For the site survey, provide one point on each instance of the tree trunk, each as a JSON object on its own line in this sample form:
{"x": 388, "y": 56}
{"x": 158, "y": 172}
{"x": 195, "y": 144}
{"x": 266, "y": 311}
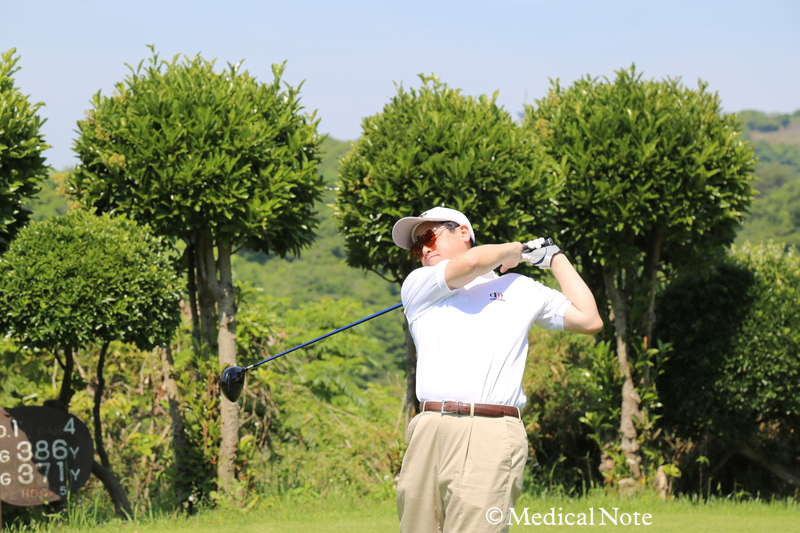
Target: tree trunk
{"x": 630, "y": 398}
{"x": 191, "y": 269}
{"x": 114, "y": 488}
{"x": 180, "y": 444}
{"x": 216, "y": 292}
{"x": 650, "y": 275}
{"x": 65, "y": 394}
{"x": 226, "y": 468}
{"x": 98, "y": 399}
{"x": 103, "y": 470}
{"x": 412, "y": 403}
{"x": 207, "y": 293}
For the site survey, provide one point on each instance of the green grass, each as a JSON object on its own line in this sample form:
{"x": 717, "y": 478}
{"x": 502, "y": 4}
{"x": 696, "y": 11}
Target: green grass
{"x": 286, "y": 516}
{"x": 353, "y": 516}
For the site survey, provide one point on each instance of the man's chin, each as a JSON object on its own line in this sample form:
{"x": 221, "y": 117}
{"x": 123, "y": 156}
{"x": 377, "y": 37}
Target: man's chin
{"x": 432, "y": 260}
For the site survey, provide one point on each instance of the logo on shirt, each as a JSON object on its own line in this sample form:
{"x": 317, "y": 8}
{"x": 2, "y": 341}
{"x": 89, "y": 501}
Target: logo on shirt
{"x": 496, "y": 296}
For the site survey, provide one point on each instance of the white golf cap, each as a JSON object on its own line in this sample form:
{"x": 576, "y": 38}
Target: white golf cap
{"x": 404, "y": 228}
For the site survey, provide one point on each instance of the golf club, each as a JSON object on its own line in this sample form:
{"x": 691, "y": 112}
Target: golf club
{"x": 232, "y": 381}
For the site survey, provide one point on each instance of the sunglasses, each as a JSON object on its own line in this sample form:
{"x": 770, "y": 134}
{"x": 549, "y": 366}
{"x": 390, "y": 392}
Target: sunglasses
{"x": 426, "y": 239}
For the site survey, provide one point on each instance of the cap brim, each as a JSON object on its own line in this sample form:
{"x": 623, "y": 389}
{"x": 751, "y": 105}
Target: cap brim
{"x": 401, "y": 233}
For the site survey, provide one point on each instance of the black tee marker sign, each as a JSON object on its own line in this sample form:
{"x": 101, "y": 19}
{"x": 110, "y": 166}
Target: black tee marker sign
{"x": 45, "y": 454}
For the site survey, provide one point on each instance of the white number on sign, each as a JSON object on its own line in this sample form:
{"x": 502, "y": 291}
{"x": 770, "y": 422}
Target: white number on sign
{"x": 24, "y": 451}
{"x": 59, "y": 449}
{"x": 25, "y": 474}
{"x": 46, "y": 467}
{"x": 42, "y": 450}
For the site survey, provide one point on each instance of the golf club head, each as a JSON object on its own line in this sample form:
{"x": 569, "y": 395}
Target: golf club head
{"x": 232, "y": 382}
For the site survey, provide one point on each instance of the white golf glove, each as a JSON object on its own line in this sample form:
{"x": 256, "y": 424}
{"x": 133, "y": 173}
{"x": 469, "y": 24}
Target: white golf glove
{"x": 539, "y": 252}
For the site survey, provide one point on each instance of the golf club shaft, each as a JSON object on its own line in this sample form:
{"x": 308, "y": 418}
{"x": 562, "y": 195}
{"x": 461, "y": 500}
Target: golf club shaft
{"x": 379, "y": 313}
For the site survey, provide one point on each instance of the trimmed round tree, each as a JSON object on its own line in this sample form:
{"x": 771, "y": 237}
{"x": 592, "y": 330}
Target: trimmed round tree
{"x": 22, "y": 166}
{"x": 216, "y": 159}
{"x": 435, "y": 146}
{"x": 70, "y": 281}
{"x": 657, "y": 177}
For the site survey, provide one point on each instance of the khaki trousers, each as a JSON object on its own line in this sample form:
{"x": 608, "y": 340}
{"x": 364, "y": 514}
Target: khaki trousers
{"x": 457, "y": 468}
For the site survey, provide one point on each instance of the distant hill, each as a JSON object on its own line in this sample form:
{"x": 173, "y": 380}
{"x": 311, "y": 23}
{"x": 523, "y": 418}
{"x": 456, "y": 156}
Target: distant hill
{"x": 790, "y": 134}
{"x": 775, "y": 214}
{"x": 770, "y": 126}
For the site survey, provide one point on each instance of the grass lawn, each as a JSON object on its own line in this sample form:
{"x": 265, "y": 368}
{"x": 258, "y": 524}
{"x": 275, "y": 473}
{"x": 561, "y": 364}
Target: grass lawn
{"x": 351, "y": 516}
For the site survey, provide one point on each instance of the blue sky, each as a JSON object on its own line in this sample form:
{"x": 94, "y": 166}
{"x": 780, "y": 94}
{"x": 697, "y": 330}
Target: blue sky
{"x": 350, "y": 53}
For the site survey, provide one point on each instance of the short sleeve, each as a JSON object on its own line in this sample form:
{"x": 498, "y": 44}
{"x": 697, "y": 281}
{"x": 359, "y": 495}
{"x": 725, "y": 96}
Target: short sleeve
{"x": 554, "y": 307}
{"x": 422, "y": 289}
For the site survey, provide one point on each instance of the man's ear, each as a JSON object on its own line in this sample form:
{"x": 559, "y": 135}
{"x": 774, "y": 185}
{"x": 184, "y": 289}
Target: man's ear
{"x": 465, "y": 233}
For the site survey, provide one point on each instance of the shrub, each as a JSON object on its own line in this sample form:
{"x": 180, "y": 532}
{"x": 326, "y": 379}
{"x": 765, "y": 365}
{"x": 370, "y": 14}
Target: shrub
{"x": 731, "y": 383}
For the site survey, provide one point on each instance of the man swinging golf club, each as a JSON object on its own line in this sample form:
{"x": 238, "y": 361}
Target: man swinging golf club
{"x": 467, "y": 447}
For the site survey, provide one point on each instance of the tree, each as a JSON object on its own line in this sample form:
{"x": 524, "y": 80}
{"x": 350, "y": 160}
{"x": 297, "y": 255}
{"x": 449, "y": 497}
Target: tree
{"x": 731, "y": 379}
{"x": 70, "y": 281}
{"x": 656, "y": 177}
{"x": 215, "y": 159}
{"x": 434, "y": 146}
{"x": 22, "y": 166}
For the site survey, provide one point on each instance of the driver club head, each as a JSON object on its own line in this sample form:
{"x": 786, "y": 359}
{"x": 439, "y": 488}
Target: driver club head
{"x": 232, "y": 382}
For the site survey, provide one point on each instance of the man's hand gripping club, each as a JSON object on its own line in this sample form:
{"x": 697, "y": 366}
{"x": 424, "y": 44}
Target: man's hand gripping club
{"x": 539, "y": 252}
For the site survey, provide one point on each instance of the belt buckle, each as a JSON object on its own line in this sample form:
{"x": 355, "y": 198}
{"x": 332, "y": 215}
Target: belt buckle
{"x": 441, "y": 406}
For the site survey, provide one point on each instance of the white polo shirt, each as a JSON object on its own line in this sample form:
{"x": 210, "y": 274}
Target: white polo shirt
{"x": 472, "y": 342}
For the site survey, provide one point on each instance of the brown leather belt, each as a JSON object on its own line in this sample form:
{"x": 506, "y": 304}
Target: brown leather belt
{"x": 478, "y": 409}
